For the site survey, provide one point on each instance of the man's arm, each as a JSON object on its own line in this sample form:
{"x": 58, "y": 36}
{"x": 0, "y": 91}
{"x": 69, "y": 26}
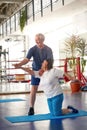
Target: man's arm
{"x": 23, "y": 62}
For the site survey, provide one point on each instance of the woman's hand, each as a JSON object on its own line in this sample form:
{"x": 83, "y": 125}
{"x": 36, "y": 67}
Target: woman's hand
{"x": 16, "y": 66}
{"x": 41, "y": 72}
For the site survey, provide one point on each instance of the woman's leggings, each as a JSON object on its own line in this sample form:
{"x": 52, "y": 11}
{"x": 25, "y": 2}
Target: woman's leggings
{"x": 55, "y": 105}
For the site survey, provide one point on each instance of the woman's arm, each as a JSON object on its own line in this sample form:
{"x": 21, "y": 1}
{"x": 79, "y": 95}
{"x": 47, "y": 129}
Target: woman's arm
{"x": 31, "y": 72}
{"x": 69, "y": 76}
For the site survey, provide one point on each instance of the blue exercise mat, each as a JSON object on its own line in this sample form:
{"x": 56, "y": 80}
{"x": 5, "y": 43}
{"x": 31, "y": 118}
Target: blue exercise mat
{"x": 11, "y": 100}
{"x": 39, "y": 117}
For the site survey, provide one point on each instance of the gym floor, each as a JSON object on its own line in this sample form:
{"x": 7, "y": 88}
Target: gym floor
{"x": 78, "y": 100}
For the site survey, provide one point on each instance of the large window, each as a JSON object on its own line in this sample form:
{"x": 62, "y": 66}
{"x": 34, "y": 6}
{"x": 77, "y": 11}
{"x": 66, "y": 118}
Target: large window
{"x": 8, "y": 26}
{"x": 29, "y": 10}
{"x": 12, "y": 23}
{"x": 4, "y": 28}
{"x": 37, "y": 5}
{"x": 17, "y": 19}
{"x": 1, "y": 31}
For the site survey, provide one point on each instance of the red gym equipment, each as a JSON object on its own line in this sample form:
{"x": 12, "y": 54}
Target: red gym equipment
{"x": 79, "y": 74}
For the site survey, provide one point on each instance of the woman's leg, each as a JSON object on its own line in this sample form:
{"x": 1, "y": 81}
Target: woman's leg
{"x": 66, "y": 111}
{"x": 55, "y": 105}
{"x": 49, "y": 101}
{"x": 69, "y": 109}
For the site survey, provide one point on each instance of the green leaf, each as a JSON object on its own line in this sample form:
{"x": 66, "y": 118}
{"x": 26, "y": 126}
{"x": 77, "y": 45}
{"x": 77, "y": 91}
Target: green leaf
{"x": 22, "y": 20}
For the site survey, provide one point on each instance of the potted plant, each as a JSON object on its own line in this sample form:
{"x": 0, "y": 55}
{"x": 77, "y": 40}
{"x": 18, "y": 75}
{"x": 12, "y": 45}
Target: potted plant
{"x": 81, "y": 48}
{"x": 74, "y": 47}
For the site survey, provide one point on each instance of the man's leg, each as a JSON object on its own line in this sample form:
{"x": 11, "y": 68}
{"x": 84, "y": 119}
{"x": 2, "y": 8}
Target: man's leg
{"x": 34, "y": 83}
{"x": 32, "y": 99}
{"x": 33, "y": 95}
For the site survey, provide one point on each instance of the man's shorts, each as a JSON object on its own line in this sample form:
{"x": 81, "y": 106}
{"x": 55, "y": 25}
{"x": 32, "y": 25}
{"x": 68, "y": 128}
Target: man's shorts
{"x": 35, "y": 81}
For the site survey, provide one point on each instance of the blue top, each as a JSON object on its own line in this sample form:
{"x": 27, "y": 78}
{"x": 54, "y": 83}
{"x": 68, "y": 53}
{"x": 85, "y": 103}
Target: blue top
{"x": 39, "y": 55}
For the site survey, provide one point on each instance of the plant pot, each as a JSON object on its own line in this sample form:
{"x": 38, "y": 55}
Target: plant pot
{"x": 75, "y": 86}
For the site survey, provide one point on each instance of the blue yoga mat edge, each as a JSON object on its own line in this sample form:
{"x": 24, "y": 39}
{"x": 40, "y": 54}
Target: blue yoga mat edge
{"x": 11, "y": 100}
{"x": 40, "y": 117}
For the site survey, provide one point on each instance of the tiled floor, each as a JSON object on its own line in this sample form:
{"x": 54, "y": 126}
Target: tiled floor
{"x": 78, "y": 100}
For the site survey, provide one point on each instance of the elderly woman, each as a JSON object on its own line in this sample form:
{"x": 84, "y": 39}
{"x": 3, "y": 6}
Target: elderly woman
{"x": 52, "y": 89}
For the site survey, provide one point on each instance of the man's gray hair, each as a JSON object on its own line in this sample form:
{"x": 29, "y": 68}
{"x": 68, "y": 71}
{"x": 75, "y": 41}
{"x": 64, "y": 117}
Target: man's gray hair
{"x": 41, "y": 36}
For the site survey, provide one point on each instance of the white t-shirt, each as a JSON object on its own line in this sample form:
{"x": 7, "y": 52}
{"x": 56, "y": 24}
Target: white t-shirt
{"x": 49, "y": 82}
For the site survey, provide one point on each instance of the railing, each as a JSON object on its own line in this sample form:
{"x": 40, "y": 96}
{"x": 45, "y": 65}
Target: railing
{"x": 34, "y": 7}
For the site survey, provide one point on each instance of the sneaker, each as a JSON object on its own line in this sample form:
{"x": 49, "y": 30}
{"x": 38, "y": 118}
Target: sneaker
{"x": 74, "y": 110}
{"x": 31, "y": 111}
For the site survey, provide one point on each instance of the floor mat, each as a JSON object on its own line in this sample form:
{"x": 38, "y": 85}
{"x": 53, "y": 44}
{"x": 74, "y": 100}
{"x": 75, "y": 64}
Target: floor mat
{"x": 11, "y": 100}
{"x": 39, "y": 117}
